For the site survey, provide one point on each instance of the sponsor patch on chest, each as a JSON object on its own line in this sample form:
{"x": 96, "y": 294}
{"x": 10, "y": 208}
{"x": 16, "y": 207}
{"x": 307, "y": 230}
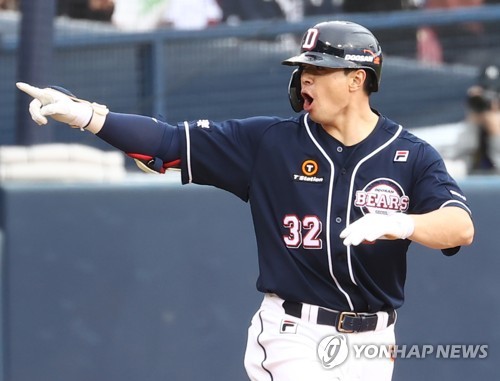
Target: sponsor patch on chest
{"x": 382, "y": 196}
{"x": 309, "y": 169}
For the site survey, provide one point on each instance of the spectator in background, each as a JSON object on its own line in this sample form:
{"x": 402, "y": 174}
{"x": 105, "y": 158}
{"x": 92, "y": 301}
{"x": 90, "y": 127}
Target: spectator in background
{"x": 9, "y": 5}
{"x": 138, "y": 15}
{"x": 106, "y": 6}
{"x": 322, "y": 7}
{"x": 293, "y": 10}
{"x": 98, "y": 10}
{"x": 401, "y": 42}
{"x": 192, "y": 14}
{"x": 438, "y": 44}
{"x": 144, "y": 15}
{"x": 236, "y": 11}
{"x": 360, "y": 6}
{"x": 479, "y": 143}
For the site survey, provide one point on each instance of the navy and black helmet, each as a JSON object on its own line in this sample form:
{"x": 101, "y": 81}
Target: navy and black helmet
{"x": 340, "y": 44}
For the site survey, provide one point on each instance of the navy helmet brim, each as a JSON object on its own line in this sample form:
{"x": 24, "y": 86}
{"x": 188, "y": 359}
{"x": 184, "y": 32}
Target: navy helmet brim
{"x": 319, "y": 59}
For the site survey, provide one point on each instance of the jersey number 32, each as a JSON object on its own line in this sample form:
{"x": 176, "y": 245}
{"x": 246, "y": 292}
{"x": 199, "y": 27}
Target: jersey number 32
{"x": 303, "y": 232}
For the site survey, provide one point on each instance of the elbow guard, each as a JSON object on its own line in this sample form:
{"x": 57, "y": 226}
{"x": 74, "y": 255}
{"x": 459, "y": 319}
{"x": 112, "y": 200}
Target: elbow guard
{"x": 153, "y": 165}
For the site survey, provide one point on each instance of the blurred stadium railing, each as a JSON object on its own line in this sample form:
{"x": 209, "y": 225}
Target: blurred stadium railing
{"x": 233, "y": 72}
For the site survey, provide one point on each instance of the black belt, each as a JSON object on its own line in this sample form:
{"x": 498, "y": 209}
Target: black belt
{"x": 345, "y": 322}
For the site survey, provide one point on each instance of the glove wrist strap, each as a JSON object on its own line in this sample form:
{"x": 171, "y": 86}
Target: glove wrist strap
{"x": 97, "y": 119}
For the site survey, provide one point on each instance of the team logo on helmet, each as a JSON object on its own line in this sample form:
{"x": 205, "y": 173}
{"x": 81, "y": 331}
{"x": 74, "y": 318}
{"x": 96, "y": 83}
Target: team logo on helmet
{"x": 382, "y": 196}
{"x": 310, "y": 39}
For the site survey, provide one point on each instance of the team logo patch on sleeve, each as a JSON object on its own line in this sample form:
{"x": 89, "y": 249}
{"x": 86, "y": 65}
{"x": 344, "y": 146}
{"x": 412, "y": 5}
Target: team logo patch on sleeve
{"x": 203, "y": 123}
{"x": 401, "y": 156}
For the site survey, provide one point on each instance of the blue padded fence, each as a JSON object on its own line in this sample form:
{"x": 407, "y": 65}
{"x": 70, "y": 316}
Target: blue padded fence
{"x": 157, "y": 282}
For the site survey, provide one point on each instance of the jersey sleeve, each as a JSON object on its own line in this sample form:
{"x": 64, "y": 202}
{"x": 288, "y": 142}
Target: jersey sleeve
{"x": 222, "y": 154}
{"x": 434, "y": 187}
{"x": 142, "y": 135}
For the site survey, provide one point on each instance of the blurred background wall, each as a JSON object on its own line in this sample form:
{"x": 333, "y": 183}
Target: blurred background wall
{"x": 156, "y": 281}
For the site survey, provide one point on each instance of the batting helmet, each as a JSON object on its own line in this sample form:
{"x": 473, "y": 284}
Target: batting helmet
{"x": 336, "y": 44}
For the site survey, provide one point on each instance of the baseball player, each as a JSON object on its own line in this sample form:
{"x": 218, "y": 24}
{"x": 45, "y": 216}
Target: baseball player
{"x": 337, "y": 194}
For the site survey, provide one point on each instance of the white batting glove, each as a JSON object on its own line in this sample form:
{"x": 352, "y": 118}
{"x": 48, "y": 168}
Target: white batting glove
{"x": 378, "y": 226}
{"x": 76, "y": 112}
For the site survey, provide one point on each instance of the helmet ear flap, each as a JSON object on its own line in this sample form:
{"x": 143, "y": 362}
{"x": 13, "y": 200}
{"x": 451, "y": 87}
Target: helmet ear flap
{"x": 294, "y": 89}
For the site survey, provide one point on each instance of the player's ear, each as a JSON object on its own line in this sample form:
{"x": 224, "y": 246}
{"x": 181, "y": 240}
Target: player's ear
{"x": 294, "y": 89}
{"x": 357, "y": 79}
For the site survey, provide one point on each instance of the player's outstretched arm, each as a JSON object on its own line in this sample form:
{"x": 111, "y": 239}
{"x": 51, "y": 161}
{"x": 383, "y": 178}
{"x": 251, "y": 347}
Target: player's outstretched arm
{"x": 153, "y": 145}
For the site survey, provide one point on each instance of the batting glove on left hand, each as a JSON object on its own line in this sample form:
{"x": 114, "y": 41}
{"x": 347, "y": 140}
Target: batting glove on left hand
{"x": 378, "y": 226}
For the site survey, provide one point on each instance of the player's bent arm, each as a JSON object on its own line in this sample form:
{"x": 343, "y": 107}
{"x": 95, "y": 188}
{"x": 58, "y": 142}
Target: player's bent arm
{"x": 444, "y": 228}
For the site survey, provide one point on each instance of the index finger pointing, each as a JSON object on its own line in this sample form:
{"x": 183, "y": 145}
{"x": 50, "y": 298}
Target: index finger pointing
{"x": 33, "y": 91}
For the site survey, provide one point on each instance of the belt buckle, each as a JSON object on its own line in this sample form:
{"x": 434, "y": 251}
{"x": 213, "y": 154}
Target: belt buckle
{"x": 342, "y": 317}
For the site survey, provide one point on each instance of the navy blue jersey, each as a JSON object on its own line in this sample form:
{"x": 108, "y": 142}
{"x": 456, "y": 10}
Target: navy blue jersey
{"x": 304, "y": 187}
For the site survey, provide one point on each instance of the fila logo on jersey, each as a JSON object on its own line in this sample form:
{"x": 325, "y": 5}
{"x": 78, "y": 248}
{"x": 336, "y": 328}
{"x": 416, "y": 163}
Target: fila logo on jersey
{"x": 401, "y": 156}
{"x": 309, "y": 169}
{"x": 288, "y": 326}
{"x": 382, "y": 196}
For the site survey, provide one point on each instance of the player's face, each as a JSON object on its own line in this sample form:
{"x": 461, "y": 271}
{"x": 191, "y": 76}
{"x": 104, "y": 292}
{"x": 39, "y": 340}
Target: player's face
{"x": 325, "y": 92}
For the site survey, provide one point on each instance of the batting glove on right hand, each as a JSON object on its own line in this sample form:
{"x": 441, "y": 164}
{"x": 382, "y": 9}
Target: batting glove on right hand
{"x": 62, "y": 106}
{"x": 378, "y": 226}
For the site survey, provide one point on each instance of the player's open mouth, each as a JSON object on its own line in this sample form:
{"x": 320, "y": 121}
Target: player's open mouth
{"x": 308, "y": 100}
